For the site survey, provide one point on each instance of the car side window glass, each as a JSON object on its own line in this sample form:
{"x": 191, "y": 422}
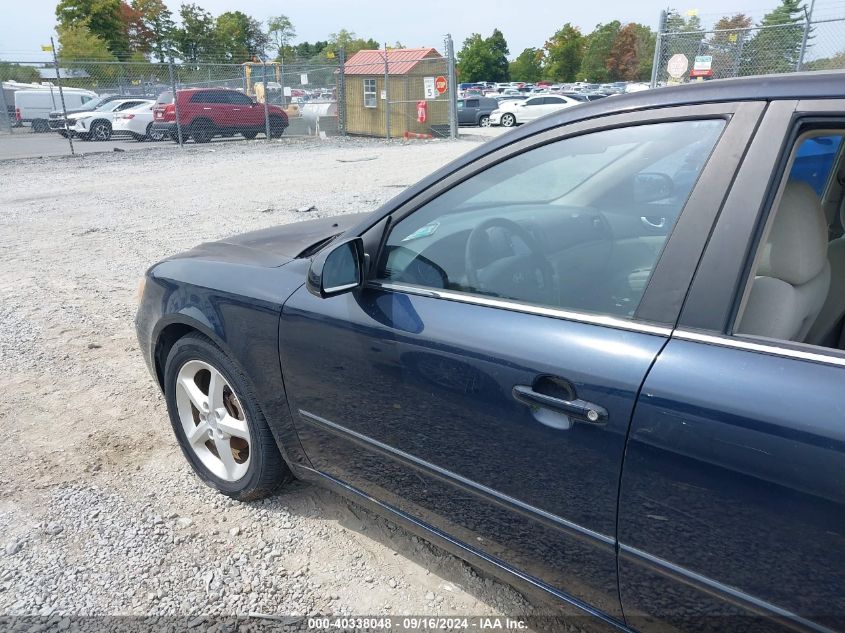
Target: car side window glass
{"x": 198, "y": 97}
{"x": 796, "y": 290}
{"x": 238, "y": 98}
{"x": 561, "y": 225}
{"x": 535, "y": 101}
{"x": 472, "y": 103}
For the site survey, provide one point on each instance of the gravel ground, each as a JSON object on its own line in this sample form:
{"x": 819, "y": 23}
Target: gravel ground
{"x": 99, "y": 513}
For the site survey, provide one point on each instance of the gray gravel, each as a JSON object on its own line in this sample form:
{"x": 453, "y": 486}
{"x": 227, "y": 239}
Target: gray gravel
{"x": 99, "y": 514}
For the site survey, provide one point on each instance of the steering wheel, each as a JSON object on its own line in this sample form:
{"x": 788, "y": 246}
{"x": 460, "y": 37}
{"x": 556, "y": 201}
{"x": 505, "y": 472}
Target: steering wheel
{"x": 527, "y": 277}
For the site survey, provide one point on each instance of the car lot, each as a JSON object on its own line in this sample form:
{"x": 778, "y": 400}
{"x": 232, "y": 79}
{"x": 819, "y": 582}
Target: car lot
{"x": 99, "y": 512}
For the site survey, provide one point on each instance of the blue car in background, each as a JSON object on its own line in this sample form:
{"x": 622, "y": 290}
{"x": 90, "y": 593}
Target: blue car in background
{"x": 601, "y": 356}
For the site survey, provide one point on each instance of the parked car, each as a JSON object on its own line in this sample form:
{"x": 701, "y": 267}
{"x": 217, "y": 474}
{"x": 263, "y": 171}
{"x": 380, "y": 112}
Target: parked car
{"x": 138, "y": 123}
{"x": 57, "y": 120}
{"x": 96, "y": 125}
{"x": 206, "y": 113}
{"x": 34, "y": 106}
{"x": 512, "y": 113}
{"x": 476, "y": 110}
{"x": 617, "y": 390}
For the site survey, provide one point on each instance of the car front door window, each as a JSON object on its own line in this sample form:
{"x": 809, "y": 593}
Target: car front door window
{"x": 556, "y": 226}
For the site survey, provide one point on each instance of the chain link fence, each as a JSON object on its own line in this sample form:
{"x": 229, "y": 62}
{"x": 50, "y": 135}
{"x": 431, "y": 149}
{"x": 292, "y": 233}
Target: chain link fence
{"x": 757, "y": 50}
{"x": 393, "y": 93}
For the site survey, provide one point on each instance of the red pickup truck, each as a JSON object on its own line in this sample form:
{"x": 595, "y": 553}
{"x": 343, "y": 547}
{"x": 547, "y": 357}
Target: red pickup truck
{"x": 208, "y": 112}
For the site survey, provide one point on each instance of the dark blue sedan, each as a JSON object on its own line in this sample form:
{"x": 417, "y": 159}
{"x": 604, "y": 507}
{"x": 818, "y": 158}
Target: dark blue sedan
{"x": 600, "y": 356}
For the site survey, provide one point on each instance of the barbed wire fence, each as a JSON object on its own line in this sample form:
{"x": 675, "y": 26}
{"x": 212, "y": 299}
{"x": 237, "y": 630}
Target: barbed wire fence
{"x": 757, "y": 50}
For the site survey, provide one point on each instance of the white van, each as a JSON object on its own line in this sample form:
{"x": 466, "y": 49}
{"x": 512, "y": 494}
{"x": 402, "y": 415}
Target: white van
{"x": 34, "y": 106}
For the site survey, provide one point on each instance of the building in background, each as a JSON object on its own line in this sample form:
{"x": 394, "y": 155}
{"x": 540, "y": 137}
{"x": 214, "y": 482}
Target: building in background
{"x": 411, "y": 77}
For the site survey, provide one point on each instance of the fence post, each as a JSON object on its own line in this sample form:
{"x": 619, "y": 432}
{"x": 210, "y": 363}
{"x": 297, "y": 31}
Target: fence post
{"x": 341, "y": 93}
{"x": 452, "y": 87}
{"x": 808, "y": 15}
{"x": 61, "y": 93}
{"x": 175, "y": 100}
{"x": 658, "y": 49}
{"x": 266, "y": 94}
{"x": 386, "y": 94}
{"x": 4, "y": 116}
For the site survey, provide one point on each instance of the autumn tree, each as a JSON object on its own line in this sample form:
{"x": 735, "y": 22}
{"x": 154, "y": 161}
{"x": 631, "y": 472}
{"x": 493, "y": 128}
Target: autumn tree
{"x": 623, "y": 64}
{"x": 597, "y": 51}
{"x": 158, "y": 22}
{"x": 564, "y": 54}
{"x": 139, "y": 36}
{"x": 102, "y": 18}
{"x": 527, "y": 66}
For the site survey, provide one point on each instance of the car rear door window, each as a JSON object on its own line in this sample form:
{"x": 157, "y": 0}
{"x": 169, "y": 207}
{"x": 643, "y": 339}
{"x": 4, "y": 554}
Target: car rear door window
{"x": 561, "y": 225}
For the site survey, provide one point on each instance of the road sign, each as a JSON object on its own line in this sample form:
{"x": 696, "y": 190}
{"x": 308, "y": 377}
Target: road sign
{"x": 428, "y": 88}
{"x": 677, "y": 65}
{"x": 703, "y": 62}
{"x": 441, "y": 84}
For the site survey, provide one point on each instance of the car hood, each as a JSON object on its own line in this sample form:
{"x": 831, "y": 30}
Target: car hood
{"x": 276, "y": 245}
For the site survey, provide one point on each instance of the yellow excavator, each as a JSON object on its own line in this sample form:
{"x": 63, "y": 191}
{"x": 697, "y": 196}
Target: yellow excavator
{"x": 254, "y": 73}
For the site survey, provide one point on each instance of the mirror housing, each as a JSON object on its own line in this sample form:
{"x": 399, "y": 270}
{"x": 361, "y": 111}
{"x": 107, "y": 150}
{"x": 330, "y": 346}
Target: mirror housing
{"x": 651, "y": 186}
{"x": 337, "y": 269}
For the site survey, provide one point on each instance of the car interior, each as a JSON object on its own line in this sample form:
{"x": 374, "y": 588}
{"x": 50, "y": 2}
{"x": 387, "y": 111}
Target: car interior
{"x": 577, "y": 224}
{"x": 797, "y": 292}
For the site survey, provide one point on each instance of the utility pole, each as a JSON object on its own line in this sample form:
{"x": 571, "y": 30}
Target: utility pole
{"x": 179, "y": 136}
{"x": 266, "y": 94}
{"x": 452, "y": 87}
{"x": 61, "y": 93}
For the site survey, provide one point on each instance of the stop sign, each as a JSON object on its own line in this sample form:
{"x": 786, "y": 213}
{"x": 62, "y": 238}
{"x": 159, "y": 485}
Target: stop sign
{"x": 440, "y": 84}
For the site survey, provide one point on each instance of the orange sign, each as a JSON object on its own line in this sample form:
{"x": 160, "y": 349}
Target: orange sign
{"x": 440, "y": 84}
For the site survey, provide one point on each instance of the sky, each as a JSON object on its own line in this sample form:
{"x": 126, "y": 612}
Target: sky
{"x": 27, "y": 24}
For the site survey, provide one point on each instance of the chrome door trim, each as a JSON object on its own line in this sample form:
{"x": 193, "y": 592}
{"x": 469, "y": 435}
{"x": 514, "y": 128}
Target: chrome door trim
{"x": 515, "y": 306}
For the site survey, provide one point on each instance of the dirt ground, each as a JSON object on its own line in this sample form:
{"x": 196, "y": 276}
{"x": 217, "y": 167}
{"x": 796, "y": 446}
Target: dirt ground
{"x": 99, "y": 513}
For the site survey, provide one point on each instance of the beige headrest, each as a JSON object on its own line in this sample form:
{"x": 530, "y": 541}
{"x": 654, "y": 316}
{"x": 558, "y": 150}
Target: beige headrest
{"x": 796, "y": 251}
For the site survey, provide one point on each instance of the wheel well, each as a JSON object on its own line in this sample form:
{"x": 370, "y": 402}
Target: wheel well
{"x": 166, "y": 340}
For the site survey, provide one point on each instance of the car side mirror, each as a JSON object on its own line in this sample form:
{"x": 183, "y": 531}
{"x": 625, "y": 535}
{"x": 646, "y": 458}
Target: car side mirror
{"x": 651, "y": 186}
{"x": 337, "y": 269}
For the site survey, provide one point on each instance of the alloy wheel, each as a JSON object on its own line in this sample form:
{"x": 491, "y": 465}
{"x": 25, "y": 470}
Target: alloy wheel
{"x": 213, "y": 420}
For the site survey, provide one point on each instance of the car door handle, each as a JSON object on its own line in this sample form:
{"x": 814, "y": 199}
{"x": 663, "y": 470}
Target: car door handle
{"x": 653, "y": 225}
{"x": 206, "y": 108}
{"x": 578, "y": 410}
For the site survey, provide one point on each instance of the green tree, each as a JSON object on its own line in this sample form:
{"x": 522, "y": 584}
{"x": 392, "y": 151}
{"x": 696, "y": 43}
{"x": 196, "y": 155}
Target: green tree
{"x": 158, "y": 21}
{"x": 499, "y": 52}
{"x": 195, "y": 39}
{"x": 835, "y": 62}
{"x": 16, "y": 72}
{"x": 564, "y": 54}
{"x": 646, "y": 42}
{"x": 597, "y": 51}
{"x": 483, "y": 59}
{"x": 239, "y": 37}
{"x": 349, "y": 42}
{"x": 527, "y": 66}
{"x": 727, "y": 43}
{"x": 777, "y": 45}
{"x": 78, "y": 43}
{"x": 101, "y": 17}
{"x": 308, "y": 51}
{"x": 281, "y": 31}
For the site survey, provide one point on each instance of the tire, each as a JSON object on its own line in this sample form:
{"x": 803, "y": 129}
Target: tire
{"x": 100, "y": 131}
{"x": 249, "y": 135}
{"x": 508, "y": 120}
{"x": 40, "y": 126}
{"x": 261, "y": 469}
{"x": 484, "y": 121}
{"x": 202, "y": 131}
{"x": 277, "y": 127}
{"x": 154, "y": 135}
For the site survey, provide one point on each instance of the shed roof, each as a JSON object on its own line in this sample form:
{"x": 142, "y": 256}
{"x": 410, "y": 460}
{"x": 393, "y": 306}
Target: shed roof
{"x": 400, "y": 61}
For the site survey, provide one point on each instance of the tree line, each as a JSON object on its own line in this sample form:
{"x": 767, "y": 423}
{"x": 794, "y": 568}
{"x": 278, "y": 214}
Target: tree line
{"x": 146, "y": 30}
{"x": 617, "y": 51}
